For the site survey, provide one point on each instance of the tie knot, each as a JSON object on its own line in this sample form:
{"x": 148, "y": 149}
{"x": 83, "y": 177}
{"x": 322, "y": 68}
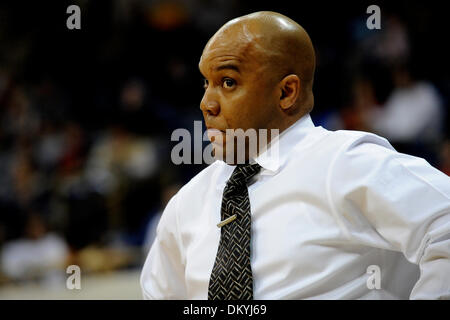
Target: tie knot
{"x": 243, "y": 173}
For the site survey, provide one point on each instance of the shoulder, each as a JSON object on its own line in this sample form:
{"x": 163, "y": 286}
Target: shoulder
{"x": 189, "y": 196}
{"x": 341, "y": 143}
{"x": 188, "y": 201}
{"x": 348, "y": 139}
{"x": 203, "y": 180}
{"x": 359, "y": 151}
{"x": 193, "y": 192}
{"x": 367, "y": 160}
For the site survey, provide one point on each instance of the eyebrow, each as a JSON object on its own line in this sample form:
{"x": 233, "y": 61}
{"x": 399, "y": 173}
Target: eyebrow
{"x": 228, "y": 66}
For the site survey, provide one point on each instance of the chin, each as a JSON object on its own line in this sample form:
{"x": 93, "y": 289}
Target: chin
{"x": 219, "y": 152}
{"x": 230, "y": 157}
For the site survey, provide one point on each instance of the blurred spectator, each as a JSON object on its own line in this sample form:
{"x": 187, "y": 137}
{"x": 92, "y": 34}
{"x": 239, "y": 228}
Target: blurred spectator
{"x": 412, "y": 117}
{"x": 39, "y": 255}
{"x": 390, "y": 44}
{"x": 118, "y": 153}
{"x": 119, "y": 162}
{"x": 412, "y": 112}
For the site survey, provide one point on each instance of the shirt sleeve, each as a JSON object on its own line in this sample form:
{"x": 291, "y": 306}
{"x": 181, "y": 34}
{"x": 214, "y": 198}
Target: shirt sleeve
{"x": 162, "y": 276}
{"x": 398, "y": 202}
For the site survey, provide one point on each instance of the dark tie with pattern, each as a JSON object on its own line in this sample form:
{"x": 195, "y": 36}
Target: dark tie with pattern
{"x": 231, "y": 277}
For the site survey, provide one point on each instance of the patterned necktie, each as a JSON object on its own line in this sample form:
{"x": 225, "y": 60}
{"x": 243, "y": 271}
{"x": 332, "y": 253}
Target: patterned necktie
{"x": 231, "y": 277}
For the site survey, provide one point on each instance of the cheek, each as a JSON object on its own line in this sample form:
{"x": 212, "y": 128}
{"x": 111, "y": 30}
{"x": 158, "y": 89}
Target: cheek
{"x": 236, "y": 109}
{"x": 247, "y": 108}
{"x": 261, "y": 109}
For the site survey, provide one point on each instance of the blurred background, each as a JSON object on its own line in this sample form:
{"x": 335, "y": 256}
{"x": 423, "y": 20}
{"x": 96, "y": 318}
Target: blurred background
{"x": 86, "y": 118}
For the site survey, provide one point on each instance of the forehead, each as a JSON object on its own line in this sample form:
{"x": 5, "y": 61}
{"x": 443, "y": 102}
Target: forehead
{"x": 239, "y": 46}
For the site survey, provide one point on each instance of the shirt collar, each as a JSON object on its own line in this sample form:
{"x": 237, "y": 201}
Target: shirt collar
{"x": 272, "y": 160}
{"x": 277, "y": 152}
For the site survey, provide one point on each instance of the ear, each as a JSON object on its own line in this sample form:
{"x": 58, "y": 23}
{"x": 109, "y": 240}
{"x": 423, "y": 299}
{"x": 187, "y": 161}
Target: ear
{"x": 290, "y": 90}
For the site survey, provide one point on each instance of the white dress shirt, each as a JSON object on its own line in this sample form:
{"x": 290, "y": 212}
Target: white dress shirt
{"x": 330, "y": 207}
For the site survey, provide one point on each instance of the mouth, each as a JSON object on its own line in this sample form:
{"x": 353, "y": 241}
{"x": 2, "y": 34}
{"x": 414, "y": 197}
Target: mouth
{"x": 214, "y": 133}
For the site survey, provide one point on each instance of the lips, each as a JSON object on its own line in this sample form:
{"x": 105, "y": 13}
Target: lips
{"x": 214, "y": 133}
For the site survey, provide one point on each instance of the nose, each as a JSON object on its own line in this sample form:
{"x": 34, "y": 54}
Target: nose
{"x": 209, "y": 105}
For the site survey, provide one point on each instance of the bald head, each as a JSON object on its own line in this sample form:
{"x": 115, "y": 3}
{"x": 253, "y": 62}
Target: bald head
{"x": 277, "y": 42}
{"x": 258, "y": 72}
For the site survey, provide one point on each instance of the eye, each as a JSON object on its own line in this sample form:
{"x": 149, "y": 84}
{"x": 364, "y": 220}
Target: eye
{"x": 228, "y": 83}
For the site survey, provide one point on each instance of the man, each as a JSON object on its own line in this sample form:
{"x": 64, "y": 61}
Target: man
{"x": 312, "y": 222}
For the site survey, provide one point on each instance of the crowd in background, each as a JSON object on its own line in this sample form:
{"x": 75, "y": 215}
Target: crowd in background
{"x": 86, "y": 115}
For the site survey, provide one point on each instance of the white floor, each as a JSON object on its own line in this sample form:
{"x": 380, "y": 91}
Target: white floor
{"x": 122, "y": 285}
